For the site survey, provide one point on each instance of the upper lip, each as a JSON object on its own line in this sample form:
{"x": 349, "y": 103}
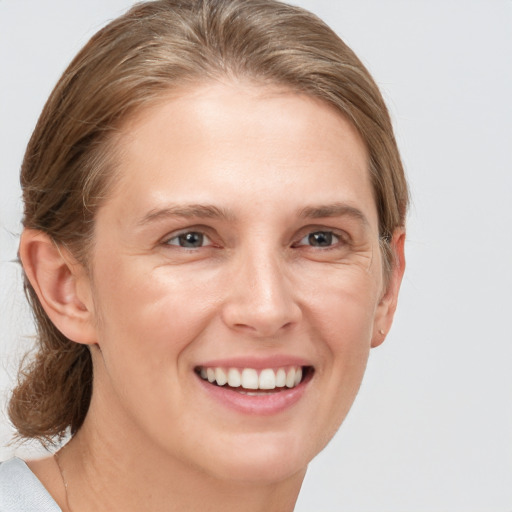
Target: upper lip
{"x": 258, "y": 363}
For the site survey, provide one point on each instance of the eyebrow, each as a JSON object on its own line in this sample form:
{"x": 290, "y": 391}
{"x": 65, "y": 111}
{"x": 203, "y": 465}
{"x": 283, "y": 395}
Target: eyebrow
{"x": 187, "y": 211}
{"x": 214, "y": 212}
{"x": 333, "y": 210}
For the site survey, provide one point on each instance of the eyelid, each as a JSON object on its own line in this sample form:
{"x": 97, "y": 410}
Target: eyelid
{"x": 206, "y": 240}
{"x": 342, "y": 236}
{"x": 203, "y": 230}
{"x": 336, "y": 239}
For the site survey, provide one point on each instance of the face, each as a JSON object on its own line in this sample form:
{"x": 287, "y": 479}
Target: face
{"x": 237, "y": 280}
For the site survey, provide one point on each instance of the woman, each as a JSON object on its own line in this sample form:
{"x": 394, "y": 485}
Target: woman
{"x": 214, "y": 231}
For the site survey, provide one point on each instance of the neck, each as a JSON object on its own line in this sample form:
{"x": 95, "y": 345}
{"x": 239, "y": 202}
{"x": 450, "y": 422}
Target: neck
{"x": 114, "y": 473}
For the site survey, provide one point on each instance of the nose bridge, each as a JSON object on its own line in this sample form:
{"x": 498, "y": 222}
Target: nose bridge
{"x": 261, "y": 297}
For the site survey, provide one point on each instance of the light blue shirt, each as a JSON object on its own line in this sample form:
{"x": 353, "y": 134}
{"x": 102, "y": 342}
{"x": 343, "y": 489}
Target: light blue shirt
{"x": 21, "y": 491}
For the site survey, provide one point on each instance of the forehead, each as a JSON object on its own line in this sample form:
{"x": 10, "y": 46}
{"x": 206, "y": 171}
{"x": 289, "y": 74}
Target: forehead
{"x": 241, "y": 143}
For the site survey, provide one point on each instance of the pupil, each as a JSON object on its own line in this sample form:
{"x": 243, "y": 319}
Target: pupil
{"x": 191, "y": 240}
{"x": 320, "y": 239}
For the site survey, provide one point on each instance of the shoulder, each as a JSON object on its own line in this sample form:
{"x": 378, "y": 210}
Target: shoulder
{"x": 21, "y": 491}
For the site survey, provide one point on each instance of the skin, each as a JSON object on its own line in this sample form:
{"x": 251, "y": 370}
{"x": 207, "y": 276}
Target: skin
{"x": 268, "y": 168}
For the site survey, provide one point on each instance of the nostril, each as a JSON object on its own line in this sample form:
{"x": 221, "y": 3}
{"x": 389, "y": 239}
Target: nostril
{"x": 262, "y": 329}
{"x": 261, "y": 321}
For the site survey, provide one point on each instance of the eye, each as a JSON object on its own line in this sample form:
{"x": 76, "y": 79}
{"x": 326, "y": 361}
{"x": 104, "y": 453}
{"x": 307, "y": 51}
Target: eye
{"x": 189, "y": 240}
{"x": 320, "y": 239}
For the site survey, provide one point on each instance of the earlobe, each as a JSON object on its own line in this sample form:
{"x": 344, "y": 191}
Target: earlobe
{"x": 387, "y": 305}
{"x": 61, "y": 285}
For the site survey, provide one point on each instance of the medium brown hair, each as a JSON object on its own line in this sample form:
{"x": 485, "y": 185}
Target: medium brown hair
{"x": 127, "y": 66}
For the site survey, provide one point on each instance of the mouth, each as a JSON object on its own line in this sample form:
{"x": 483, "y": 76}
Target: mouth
{"x": 256, "y": 382}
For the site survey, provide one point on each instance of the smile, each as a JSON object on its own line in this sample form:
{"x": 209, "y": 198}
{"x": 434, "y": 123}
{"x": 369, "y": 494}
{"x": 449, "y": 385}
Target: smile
{"x": 250, "y": 379}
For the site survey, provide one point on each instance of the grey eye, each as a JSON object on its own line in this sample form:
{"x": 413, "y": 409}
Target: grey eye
{"x": 189, "y": 240}
{"x": 320, "y": 239}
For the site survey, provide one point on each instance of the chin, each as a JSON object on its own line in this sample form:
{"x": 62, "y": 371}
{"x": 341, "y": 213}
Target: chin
{"x": 263, "y": 459}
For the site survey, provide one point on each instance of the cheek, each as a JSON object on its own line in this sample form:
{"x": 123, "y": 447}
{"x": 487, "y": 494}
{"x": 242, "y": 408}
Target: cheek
{"x": 134, "y": 298}
{"x": 341, "y": 315}
{"x": 148, "y": 320}
{"x": 342, "y": 302}
{"x": 344, "y": 322}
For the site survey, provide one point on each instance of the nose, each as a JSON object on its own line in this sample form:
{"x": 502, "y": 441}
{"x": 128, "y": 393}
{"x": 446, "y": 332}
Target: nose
{"x": 259, "y": 299}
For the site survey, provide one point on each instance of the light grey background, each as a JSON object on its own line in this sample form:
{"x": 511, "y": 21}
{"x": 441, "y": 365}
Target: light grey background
{"x": 431, "y": 429}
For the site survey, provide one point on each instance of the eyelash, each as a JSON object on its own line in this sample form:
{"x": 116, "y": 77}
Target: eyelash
{"x": 331, "y": 238}
{"x": 183, "y": 234}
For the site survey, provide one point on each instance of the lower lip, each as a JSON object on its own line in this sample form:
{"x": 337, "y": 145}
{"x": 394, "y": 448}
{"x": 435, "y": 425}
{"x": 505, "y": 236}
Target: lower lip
{"x": 263, "y": 405}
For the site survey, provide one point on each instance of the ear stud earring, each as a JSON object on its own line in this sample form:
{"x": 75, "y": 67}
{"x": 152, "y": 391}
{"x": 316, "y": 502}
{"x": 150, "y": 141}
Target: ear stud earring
{"x": 381, "y": 331}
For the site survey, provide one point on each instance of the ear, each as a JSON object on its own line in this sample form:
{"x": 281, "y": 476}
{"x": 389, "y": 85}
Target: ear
{"x": 61, "y": 285}
{"x": 387, "y": 305}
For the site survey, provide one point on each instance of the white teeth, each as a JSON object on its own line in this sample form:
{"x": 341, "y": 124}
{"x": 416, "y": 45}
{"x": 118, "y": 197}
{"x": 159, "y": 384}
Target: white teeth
{"x": 290, "y": 378}
{"x": 267, "y": 379}
{"x": 220, "y": 376}
{"x": 234, "y": 378}
{"x": 250, "y": 379}
{"x": 298, "y": 376}
{"x": 280, "y": 378}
